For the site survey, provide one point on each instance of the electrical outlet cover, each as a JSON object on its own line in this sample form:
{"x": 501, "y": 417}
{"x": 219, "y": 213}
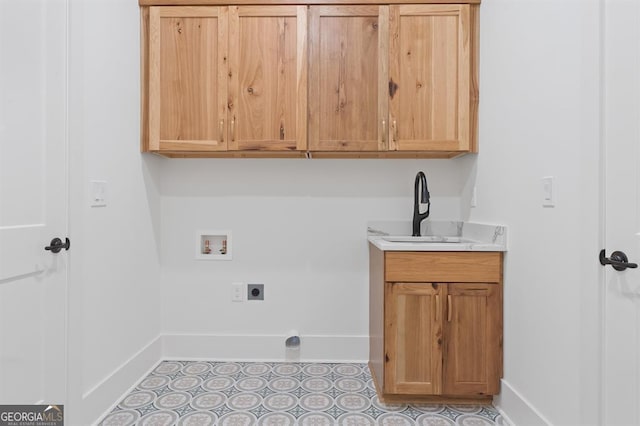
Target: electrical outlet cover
{"x": 255, "y": 292}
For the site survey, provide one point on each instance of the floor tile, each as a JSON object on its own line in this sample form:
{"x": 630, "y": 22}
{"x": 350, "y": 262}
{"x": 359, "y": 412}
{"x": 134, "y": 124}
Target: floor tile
{"x": 269, "y": 393}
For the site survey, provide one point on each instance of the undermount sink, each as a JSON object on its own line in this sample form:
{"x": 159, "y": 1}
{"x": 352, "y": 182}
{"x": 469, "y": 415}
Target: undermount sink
{"x": 426, "y": 239}
{"x": 390, "y": 236}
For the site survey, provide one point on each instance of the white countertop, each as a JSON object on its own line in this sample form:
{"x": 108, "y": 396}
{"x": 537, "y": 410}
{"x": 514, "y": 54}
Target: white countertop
{"x": 437, "y": 236}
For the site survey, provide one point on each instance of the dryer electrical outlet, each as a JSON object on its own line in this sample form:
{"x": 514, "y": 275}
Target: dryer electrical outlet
{"x": 255, "y": 291}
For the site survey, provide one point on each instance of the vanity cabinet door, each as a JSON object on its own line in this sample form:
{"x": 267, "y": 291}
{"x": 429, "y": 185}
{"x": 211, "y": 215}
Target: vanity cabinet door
{"x": 187, "y": 79}
{"x": 413, "y": 338}
{"x": 442, "y": 339}
{"x": 348, "y": 77}
{"x": 430, "y": 77}
{"x": 267, "y": 108}
{"x": 472, "y": 329}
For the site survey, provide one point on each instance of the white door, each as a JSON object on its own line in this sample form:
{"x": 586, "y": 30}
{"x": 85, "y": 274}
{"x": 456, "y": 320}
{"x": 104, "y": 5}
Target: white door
{"x": 621, "y": 360}
{"x": 33, "y": 201}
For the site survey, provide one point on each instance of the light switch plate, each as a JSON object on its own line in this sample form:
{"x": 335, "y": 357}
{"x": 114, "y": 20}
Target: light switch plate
{"x": 98, "y": 193}
{"x": 238, "y": 292}
{"x": 548, "y": 192}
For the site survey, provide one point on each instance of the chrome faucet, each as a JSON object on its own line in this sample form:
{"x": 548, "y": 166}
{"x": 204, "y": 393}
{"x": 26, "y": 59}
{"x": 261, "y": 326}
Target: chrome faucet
{"x": 420, "y": 187}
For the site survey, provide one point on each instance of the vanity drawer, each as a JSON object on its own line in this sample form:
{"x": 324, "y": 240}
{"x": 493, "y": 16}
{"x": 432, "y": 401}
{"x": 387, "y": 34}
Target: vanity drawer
{"x": 458, "y": 267}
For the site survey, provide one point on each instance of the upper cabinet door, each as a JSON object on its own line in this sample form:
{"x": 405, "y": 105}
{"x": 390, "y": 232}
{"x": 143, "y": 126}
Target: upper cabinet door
{"x": 187, "y": 78}
{"x": 348, "y": 77}
{"x": 430, "y": 77}
{"x": 267, "y": 78}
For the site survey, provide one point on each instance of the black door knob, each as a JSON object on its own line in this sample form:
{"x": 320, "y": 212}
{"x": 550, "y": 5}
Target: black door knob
{"x": 57, "y": 245}
{"x": 618, "y": 260}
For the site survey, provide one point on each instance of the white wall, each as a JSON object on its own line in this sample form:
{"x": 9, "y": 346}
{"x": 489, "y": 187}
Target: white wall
{"x": 115, "y": 310}
{"x": 539, "y": 116}
{"x": 299, "y": 227}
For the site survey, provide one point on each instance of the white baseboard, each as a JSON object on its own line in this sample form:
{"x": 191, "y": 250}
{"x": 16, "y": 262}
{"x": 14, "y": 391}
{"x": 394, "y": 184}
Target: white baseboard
{"x": 516, "y": 410}
{"x": 102, "y": 398}
{"x": 264, "y": 348}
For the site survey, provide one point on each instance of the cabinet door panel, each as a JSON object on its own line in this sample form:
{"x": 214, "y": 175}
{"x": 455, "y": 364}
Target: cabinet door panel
{"x": 348, "y": 78}
{"x": 267, "y": 69}
{"x": 413, "y": 334}
{"x": 187, "y": 78}
{"x": 472, "y": 332}
{"x": 430, "y": 77}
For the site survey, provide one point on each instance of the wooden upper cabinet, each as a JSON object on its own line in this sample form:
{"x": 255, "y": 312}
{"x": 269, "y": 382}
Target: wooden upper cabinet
{"x": 267, "y": 105}
{"x": 347, "y": 78}
{"x": 430, "y": 77}
{"x": 227, "y": 78}
{"x": 377, "y": 80}
{"x": 473, "y": 350}
{"x": 413, "y": 334}
{"x": 187, "y": 78}
{"x": 262, "y": 2}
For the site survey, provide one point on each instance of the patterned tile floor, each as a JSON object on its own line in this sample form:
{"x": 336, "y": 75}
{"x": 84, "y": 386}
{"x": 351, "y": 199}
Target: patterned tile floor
{"x": 251, "y": 393}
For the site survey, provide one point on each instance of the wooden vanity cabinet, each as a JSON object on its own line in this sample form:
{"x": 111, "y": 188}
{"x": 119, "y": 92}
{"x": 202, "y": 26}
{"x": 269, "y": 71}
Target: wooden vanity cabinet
{"x": 436, "y": 325}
